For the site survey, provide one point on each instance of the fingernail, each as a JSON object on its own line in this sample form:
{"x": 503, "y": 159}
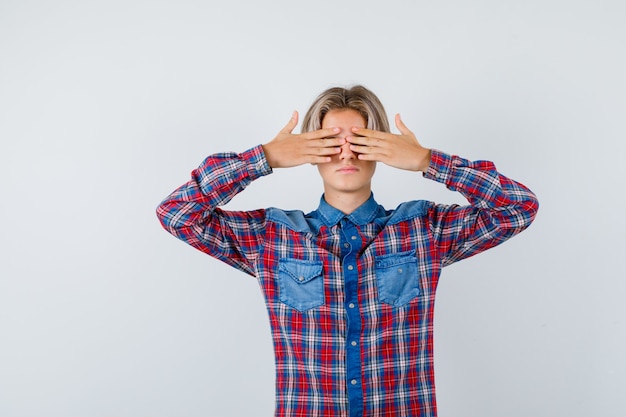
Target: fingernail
{"x": 336, "y": 129}
{"x": 354, "y": 129}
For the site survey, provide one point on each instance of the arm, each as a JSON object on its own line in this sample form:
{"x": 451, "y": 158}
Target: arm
{"x": 499, "y": 207}
{"x": 192, "y": 213}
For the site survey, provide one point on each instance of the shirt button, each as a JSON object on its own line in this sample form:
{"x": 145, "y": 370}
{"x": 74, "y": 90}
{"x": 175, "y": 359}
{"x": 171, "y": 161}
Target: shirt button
{"x": 353, "y": 382}
{"x": 301, "y": 278}
{"x": 351, "y": 305}
{"x": 353, "y": 238}
{"x": 350, "y": 267}
{"x": 399, "y": 270}
{"x": 346, "y": 245}
{"x": 353, "y": 343}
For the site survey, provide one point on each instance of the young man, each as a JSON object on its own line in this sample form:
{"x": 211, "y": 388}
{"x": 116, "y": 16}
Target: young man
{"x": 349, "y": 287}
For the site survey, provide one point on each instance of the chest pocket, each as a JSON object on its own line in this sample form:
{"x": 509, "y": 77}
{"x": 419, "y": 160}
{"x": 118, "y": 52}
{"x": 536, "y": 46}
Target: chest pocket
{"x": 397, "y": 278}
{"x": 301, "y": 283}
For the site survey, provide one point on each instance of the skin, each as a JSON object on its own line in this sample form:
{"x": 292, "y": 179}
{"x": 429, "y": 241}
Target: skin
{"x": 346, "y": 154}
{"x": 347, "y": 179}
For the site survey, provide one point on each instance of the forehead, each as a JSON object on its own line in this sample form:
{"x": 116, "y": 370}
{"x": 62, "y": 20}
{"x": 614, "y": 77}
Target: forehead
{"x": 343, "y": 118}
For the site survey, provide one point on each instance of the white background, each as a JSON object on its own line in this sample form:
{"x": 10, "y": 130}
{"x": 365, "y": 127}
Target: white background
{"x": 107, "y": 106}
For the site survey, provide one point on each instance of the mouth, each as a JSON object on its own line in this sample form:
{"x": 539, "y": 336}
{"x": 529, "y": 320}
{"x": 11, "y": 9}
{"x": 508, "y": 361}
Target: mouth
{"x": 348, "y": 169}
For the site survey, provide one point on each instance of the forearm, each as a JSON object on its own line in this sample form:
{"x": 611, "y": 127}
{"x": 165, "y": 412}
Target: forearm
{"x": 499, "y": 207}
{"x": 214, "y": 183}
{"x": 481, "y": 184}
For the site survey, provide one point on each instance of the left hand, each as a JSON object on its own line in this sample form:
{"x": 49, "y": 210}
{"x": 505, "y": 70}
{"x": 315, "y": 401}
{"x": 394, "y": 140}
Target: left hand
{"x": 399, "y": 151}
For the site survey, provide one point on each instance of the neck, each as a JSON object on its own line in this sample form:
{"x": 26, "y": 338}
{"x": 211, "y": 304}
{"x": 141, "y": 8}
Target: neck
{"x": 346, "y": 202}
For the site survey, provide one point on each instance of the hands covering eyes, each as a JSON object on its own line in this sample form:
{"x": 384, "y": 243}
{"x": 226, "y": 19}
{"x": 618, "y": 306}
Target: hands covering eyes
{"x": 288, "y": 149}
{"x": 397, "y": 150}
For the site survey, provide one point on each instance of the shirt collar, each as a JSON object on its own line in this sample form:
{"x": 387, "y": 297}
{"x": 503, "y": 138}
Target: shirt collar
{"x": 364, "y": 214}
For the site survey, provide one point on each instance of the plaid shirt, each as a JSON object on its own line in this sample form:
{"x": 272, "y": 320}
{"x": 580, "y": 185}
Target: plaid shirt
{"x": 350, "y": 297}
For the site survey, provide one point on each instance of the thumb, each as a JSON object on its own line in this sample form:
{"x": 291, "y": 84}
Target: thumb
{"x": 293, "y": 122}
{"x": 401, "y": 126}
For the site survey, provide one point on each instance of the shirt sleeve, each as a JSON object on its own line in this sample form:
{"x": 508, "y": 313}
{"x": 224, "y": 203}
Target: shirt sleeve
{"x": 192, "y": 214}
{"x": 499, "y": 207}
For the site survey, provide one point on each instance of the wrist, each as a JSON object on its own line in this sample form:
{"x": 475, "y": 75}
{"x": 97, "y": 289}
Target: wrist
{"x": 268, "y": 155}
{"x": 425, "y": 160}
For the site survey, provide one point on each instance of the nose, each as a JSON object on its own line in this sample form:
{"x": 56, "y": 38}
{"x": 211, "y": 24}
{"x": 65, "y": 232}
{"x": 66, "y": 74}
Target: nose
{"x": 346, "y": 152}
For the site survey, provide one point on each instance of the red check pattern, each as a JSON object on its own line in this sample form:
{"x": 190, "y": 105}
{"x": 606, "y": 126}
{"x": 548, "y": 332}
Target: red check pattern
{"x": 315, "y": 369}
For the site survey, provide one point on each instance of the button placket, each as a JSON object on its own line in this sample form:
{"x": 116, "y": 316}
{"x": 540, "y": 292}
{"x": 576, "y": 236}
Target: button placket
{"x": 351, "y": 246}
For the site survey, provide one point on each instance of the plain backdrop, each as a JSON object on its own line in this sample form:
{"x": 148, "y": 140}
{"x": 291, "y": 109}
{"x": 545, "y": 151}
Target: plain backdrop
{"x": 107, "y": 106}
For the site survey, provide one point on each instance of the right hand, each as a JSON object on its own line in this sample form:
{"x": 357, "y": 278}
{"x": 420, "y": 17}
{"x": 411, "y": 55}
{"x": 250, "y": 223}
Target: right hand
{"x": 290, "y": 150}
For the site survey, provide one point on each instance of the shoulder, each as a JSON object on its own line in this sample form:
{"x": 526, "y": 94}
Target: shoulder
{"x": 409, "y": 210}
{"x": 295, "y": 220}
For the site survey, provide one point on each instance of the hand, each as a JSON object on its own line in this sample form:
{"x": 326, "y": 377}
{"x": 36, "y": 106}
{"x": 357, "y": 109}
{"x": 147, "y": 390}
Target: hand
{"x": 289, "y": 150}
{"x": 399, "y": 151}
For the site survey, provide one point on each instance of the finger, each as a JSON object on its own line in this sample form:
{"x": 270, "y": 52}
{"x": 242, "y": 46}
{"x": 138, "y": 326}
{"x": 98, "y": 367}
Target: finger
{"x": 361, "y": 131}
{"x": 367, "y": 141}
{"x": 293, "y": 122}
{"x": 401, "y": 126}
{"x": 322, "y": 151}
{"x": 359, "y": 140}
{"x": 326, "y": 143}
{"x": 372, "y": 157}
{"x": 373, "y": 151}
{"x": 318, "y": 160}
{"x": 321, "y": 133}
{"x": 361, "y": 149}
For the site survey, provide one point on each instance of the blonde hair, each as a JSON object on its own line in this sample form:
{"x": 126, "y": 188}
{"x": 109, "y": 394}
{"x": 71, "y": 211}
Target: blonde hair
{"x": 356, "y": 98}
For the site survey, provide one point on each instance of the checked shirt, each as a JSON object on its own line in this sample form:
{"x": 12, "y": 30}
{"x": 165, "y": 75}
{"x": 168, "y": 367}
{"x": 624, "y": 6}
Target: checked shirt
{"x": 350, "y": 297}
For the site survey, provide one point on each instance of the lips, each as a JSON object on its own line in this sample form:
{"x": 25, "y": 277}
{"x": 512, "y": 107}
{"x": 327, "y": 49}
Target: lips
{"x": 348, "y": 169}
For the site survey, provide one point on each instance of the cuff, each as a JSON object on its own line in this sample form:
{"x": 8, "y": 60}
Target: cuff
{"x": 440, "y": 166}
{"x": 256, "y": 162}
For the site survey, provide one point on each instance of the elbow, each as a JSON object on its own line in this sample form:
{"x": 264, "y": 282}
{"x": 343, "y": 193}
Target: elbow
{"x": 165, "y": 217}
{"x": 179, "y": 218}
{"x": 515, "y": 218}
{"x": 531, "y": 207}
{"x": 524, "y": 214}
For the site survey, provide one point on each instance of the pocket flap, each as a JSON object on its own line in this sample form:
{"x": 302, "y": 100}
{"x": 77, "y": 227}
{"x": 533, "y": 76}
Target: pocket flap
{"x": 301, "y": 271}
{"x": 387, "y": 261}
